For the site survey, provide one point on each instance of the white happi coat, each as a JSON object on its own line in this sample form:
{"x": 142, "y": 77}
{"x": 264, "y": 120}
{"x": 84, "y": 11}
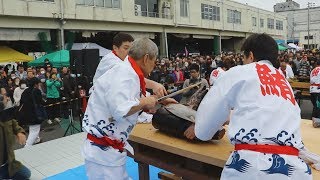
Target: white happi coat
{"x": 315, "y": 80}
{"x": 107, "y": 62}
{"x": 114, "y": 94}
{"x": 215, "y": 74}
{"x": 264, "y": 112}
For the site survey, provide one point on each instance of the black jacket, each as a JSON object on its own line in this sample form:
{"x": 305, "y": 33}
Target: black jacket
{"x": 28, "y": 107}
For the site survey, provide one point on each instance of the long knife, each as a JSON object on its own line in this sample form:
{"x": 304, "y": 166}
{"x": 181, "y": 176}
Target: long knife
{"x": 178, "y": 92}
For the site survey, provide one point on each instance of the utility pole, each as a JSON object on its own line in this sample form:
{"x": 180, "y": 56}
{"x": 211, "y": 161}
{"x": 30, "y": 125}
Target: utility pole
{"x": 310, "y": 4}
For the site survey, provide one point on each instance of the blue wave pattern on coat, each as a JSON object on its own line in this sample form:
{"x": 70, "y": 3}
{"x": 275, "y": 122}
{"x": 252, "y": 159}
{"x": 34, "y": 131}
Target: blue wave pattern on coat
{"x": 308, "y": 170}
{"x": 279, "y": 166}
{"x": 283, "y": 139}
{"x": 243, "y": 137}
{"x": 238, "y": 164}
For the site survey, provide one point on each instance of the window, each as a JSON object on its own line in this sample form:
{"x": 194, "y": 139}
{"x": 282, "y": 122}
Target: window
{"x": 149, "y": 8}
{"x": 262, "y": 23}
{"x": 254, "y": 21}
{"x": 306, "y": 37}
{"x": 279, "y": 25}
{"x": 234, "y": 16}
{"x": 210, "y": 12}
{"x": 100, "y": 3}
{"x": 184, "y": 7}
{"x": 270, "y": 23}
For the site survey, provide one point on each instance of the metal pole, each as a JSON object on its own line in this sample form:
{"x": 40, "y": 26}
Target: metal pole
{"x": 61, "y": 24}
{"x": 309, "y": 25}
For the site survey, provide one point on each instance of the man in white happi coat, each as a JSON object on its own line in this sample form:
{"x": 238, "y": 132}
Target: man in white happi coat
{"x": 315, "y": 94}
{"x": 265, "y": 124}
{"x": 122, "y": 43}
{"x": 223, "y": 67}
{"x": 112, "y": 112}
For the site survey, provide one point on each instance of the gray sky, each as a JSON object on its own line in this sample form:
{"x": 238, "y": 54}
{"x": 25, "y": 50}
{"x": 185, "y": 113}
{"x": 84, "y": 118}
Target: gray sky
{"x": 268, "y": 4}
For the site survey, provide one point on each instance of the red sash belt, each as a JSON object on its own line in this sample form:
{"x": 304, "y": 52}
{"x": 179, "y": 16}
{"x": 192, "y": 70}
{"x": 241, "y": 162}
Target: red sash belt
{"x": 269, "y": 149}
{"x": 315, "y": 85}
{"x": 105, "y": 141}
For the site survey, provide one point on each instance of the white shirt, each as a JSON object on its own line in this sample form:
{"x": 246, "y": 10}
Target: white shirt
{"x": 289, "y": 72}
{"x": 315, "y": 80}
{"x": 262, "y": 114}
{"x": 114, "y": 94}
{"x": 215, "y": 74}
{"x": 17, "y": 95}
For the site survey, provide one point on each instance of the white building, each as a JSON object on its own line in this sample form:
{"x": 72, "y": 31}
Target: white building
{"x": 297, "y": 29}
{"x": 223, "y": 24}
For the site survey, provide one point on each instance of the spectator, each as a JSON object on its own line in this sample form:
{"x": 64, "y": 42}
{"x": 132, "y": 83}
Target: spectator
{"x": 30, "y": 98}
{"x": 30, "y": 75}
{"x": 286, "y": 69}
{"x": 47, "y": 63}
{"x": 4, "y": 93}
{"x": 179, "y": 75}
{"x": 21, "y": 73}
{"x": 304, "y": 67}
{"x": 55, "y": 71}
{"x": 18, "y": 92}
{"x": 53, "y": 85}
{"x": 10, "y": 88}
{"x": 10, "y": 168}
{"x": 194, "y": 79}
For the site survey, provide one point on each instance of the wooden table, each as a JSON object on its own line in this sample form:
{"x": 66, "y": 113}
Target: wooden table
{"x": 193, "y": 160}
{"x": 303, "y": 87}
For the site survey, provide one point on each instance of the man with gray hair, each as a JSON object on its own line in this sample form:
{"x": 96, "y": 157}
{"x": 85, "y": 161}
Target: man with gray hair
{"x": 118, "y": 98}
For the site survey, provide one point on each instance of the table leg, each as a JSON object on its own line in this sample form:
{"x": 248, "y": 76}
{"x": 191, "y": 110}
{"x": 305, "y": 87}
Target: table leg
{"x": 143, "y": 171}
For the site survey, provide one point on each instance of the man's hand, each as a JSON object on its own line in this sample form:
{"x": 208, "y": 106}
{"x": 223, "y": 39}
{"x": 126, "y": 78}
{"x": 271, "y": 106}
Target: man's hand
{"x": 168, "y": 101}
{"x": 189, "y": 133}
{"x": 149, "y": 102}
{"x": 21, "y": 138}
{"x": 159, "y": 90}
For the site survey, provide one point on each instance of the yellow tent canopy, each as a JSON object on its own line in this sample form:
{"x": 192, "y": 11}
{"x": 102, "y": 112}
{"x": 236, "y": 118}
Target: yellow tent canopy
{"x": 10, "y": 55}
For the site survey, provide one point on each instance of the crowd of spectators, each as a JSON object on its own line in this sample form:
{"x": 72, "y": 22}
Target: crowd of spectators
{"x": 55, "y": 85}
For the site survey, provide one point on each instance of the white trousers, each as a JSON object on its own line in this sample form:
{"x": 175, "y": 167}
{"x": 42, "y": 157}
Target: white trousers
{"x": 33, "y": 134}
{"x": 100, "y": 172}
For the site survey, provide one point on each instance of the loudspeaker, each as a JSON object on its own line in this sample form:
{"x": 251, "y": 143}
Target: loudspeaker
{"x": 76, "y": 61}
{"x": 90, "y": 61}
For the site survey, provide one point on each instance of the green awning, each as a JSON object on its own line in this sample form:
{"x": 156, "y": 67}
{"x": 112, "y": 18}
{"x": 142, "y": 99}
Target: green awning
{"x": 57, "y": 59}
{"x": 281, "y": 48}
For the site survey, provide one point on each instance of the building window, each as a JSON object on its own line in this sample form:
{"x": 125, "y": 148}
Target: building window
{"x": 148, "y": 8}
{"x": 234, "y": 16}
{"x": 210, "y": 12}
{"x": 261, "y": 23}
{"x": 306, "y": 37}
{"x": 254, "y": 21}
{"x": 279, "y": 25}
{"x": 100, "y": 3}
{"x": 270, "y": 23}
{"x": 184, "y": 7}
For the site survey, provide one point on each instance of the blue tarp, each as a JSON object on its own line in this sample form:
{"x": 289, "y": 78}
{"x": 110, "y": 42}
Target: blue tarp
{"x": 79, "y": 173}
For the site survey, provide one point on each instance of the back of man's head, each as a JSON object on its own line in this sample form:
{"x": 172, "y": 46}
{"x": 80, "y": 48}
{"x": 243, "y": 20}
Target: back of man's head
{"x": 141, "y": 47}
{"x": 121, "y": 38}
{"x": 263, "y": 47}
